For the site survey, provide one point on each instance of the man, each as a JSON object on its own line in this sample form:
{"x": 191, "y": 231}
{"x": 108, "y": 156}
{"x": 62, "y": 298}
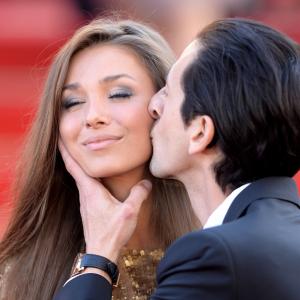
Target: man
{"x": 228, "y": 127}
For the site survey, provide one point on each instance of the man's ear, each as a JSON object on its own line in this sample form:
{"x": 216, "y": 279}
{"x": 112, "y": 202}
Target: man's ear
{"x": 201, "y": 132}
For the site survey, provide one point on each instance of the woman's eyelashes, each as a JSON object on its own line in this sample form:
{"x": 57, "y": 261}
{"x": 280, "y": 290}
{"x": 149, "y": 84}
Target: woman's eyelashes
{"x": 115, "y": 95}
{"x": 120, "y": 94}
{"x": 72, "y": 101}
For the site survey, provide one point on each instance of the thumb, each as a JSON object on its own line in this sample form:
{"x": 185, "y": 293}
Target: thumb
{"x": 138, "y": 194}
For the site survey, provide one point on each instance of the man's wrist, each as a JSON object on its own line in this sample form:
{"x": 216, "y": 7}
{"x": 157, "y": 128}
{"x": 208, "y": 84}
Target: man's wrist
{"x": 92, "y": 263}
{"x": 110, "y": 253}
{"x": 99, "y": 272}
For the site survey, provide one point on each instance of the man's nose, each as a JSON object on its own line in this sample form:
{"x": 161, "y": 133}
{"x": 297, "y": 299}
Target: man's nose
{"x": 155, "y": 107}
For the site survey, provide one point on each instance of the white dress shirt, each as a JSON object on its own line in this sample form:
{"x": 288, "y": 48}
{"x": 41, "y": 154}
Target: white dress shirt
{"x": 218, "y": 215}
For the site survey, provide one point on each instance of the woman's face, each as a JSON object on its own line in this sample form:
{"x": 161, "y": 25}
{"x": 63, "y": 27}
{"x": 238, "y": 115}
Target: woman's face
{"x": 104, "y": 122}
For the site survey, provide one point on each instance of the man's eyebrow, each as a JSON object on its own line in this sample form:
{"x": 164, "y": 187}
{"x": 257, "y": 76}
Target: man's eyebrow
{"x": 115, "y": 77}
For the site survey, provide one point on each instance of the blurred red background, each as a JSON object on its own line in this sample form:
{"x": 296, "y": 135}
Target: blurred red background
{"x": 32, "y": 30}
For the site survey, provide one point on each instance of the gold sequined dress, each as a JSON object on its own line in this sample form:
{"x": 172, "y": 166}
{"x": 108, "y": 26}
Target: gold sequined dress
{"x": 137, "y": 274}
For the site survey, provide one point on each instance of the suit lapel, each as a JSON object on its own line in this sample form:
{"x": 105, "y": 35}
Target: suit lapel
{"x": 283, "y": 188}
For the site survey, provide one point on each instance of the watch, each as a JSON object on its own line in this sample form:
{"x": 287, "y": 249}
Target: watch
{"x": 84, "y": 261}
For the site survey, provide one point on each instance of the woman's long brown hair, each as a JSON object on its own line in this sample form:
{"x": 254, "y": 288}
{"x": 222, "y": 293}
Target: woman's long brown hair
{"x": 45, "y": 233}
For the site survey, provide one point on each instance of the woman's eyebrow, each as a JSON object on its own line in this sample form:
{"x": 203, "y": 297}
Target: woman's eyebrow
{"x": 115, "y": 77}
{"x": 75, "y": 85}
{"x": 71, "y": 86}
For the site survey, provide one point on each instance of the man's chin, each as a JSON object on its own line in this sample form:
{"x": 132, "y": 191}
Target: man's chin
{"x": 157, "y": 170}
{"x": 154, "y": 169}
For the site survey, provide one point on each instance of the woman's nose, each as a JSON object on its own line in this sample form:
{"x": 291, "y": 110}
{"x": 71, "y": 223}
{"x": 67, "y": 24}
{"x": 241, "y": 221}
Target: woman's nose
{"x": 97, "y": 115}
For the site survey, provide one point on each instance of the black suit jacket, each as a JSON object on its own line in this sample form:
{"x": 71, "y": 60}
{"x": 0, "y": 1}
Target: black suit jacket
{"x": 254, "y": 255}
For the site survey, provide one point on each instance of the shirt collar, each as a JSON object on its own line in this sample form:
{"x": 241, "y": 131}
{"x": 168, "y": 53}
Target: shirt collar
{"x": 218, "y": 215}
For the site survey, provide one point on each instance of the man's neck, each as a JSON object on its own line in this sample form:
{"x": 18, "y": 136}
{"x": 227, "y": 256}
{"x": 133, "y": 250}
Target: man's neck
{"x": 204, "y": 192}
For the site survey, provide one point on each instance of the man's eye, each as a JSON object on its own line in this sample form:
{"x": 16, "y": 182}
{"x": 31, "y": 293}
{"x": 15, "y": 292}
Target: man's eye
{"x": 164, "y": 91}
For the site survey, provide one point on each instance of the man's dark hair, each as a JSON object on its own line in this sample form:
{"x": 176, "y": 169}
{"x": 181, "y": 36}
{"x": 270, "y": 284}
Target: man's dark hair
{"x": 246, "y": 77}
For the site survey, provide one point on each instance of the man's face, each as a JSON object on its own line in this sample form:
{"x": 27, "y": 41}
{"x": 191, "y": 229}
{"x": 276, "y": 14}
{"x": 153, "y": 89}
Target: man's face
{"x": 169, "y": 135}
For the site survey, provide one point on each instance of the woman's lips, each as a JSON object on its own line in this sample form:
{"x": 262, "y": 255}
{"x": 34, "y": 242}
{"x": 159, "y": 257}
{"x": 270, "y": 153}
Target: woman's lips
{"x": 100, "y": 143}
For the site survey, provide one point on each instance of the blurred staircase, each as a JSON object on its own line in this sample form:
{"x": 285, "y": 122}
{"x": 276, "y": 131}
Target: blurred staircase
{"x": 31, "y": 32}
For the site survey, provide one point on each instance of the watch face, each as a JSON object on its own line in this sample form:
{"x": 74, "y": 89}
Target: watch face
{"x": 76, "y": 269}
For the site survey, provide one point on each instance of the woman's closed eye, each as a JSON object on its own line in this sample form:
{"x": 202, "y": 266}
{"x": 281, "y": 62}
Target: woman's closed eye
{"x": 120, "y": 94}
{"x": 67, "y": 103}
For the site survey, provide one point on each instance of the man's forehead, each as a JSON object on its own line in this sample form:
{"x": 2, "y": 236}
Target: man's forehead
{"x": 191, "y": 49}
{"x": 187, "y": 56}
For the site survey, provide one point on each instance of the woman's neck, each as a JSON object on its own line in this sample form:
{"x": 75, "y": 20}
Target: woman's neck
{"x": 120, "y": 186}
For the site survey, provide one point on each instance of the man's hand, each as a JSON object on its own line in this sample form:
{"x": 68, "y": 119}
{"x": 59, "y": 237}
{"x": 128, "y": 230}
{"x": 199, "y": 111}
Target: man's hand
{"x": 107, "y": 223}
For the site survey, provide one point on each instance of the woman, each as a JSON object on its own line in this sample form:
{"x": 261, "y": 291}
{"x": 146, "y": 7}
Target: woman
{"x": 95, "y": 99}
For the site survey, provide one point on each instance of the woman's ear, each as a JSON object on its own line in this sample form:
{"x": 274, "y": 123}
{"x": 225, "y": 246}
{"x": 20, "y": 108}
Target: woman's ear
{"x": 201, "y": 132}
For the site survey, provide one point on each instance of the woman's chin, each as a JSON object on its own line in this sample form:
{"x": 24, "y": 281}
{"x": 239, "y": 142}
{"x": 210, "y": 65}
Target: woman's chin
{"x": 116, "y": 172}
{"x": 106, "y": 172}
{"x": 102, "y": 173}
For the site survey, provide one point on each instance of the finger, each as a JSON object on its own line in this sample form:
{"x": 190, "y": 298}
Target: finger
{"x": 138, "y": 194}
{"x": 85, "y": 183}
{"x": 71, "y": 165}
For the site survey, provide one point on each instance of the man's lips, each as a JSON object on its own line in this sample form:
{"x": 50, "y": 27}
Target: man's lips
{"x": 100, "y": 142}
